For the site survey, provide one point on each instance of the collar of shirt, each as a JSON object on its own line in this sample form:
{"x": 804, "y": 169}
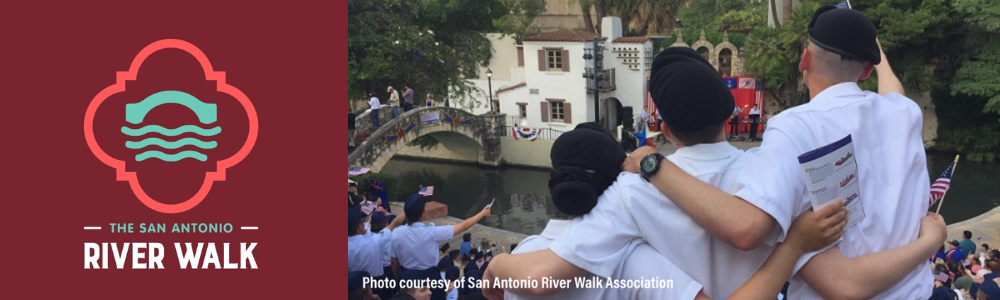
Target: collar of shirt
{"x": 715, "y": 151}
{"x": 356, "y": 238}
{"x": 555, "y": 229}
{"x": 837, "y": 96}
{"x": 418, "y": 225}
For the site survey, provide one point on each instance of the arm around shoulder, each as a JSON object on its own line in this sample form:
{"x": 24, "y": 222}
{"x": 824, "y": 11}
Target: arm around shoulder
{"x": 837, "y": 277}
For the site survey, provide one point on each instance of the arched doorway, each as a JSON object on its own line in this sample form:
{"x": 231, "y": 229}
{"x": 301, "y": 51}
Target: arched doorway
{"x": 705, "y": 53}
{"x": 726, "y": 62}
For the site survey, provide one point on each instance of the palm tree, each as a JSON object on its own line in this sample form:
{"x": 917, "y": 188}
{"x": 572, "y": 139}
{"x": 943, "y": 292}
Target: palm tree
{"x": 638, "y": 16}
{"x": 787, "y": 9}
{"x": 651, "y": 16}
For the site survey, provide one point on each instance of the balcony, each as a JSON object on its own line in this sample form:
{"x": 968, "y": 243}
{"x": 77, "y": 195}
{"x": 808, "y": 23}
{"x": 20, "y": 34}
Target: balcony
{"x": 605, "y": 83}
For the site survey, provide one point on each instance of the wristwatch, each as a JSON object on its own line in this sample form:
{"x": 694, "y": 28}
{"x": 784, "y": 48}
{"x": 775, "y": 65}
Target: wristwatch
{"x": 650, "y": 165}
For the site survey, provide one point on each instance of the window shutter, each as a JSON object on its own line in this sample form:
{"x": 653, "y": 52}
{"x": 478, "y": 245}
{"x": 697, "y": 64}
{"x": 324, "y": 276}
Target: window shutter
{"x": 541, "y": 60}
{"x": 567, "y": 113}
{"x": 545, "y": 112}
{"x": 565, "y": 60}
{"x": 520, "y": 56}
{"x": 614, "y": 82}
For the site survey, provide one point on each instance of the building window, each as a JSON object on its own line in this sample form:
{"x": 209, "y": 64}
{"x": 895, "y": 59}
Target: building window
{"x": 520, "y": 56}
{"x": 522, "y": 109}
{"x": 558, "y": 112}
{"x": 555, "y": 59}
{"x": 496, "y": 105}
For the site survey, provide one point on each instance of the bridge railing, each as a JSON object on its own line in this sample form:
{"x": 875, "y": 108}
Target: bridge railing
{"x": 383, "y": 142}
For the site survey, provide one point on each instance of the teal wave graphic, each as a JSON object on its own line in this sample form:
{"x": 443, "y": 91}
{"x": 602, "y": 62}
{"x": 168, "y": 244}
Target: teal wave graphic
{"x": 172, "y": 132}
{"x": 170, "y": 157}
{"x": 171, "y": 145}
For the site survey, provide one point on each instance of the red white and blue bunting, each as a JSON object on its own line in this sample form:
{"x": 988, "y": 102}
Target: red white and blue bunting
{"x": 526, "y": 133}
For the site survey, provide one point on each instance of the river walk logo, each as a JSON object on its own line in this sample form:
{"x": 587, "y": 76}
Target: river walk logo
{"x": 173, "y": 129}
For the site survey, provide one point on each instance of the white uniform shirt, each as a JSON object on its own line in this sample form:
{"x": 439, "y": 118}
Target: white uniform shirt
{"x": 374, "y": 103}
{"x": 416, "y": 245}
{"x": 363, "y": 254}
{"x": 634, "y": 209}
{"x": 754, "y": 111}
{"x": 385, "y": 238}
{"x": 892, "y": 168}
{"x": 640, "y": 262}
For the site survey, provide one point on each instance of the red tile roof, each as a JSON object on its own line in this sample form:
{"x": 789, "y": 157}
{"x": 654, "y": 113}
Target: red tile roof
{"x": 564, "y": 35}
{"x": 511, "y": 88}
{"x": 632, "y": 40}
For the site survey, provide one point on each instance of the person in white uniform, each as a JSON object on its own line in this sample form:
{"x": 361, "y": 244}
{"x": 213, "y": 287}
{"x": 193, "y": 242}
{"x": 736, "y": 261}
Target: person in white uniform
{"x": 363, "y": 253}
{"x": 381, "y": 229}
{"x": 596, "y": 241}
{"x": 414, "y": 247}
{"x": 585, "y": 163}
{"x": 771, "y": 191}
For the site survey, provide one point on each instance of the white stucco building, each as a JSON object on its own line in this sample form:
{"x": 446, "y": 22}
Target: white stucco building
{"x": 540, "y": 83}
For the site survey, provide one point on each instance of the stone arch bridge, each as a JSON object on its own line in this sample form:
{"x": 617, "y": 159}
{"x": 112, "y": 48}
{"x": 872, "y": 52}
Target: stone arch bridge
{"x": 382, "y": 144}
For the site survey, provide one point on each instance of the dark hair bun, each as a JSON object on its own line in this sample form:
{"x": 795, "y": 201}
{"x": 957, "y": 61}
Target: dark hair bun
{"x": 574, "y": 198}
{"x": 574, "y": 191}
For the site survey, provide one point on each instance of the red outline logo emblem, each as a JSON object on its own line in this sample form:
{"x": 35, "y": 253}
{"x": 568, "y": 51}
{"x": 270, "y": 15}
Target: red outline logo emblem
{"x": 210, "y": 177}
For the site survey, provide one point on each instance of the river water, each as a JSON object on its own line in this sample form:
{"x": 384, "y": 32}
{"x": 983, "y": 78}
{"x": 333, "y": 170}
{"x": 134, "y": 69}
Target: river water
{"x": 523, "y": 204}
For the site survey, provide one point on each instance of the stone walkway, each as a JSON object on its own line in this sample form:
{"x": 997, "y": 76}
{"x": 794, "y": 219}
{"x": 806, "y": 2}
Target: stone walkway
{"x": 985, "y": 226}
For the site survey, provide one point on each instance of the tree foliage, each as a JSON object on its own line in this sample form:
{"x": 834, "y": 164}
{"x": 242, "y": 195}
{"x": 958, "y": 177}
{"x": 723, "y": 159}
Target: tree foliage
{"x": 774, "y": 63}
{"x": 713, "y": 15}
{"x": 639, "y": 17}
{"x": 431, "y": 45}
{"x": 742, "y": 20}
{"x": 773, "y": 55}
{"x": 950, "y": 48}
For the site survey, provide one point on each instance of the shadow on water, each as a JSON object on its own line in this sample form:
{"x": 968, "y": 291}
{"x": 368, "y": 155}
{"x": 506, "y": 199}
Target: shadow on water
{"x": 524, "y": 206}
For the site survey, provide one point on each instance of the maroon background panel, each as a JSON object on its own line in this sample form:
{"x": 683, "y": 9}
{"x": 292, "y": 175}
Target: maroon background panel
{"x": 55, "y": 57}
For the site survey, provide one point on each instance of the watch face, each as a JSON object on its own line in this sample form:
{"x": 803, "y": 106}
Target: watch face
{"x": 648, "y": 164}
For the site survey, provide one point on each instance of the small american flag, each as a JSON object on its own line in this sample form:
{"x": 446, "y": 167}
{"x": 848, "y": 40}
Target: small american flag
{"x": 357, "y": 171}
{"x": 941, "y": 186}
{"x": 426, "y": 191}
{"x": 942, "y": 277}
{"x": 844, "y": 4}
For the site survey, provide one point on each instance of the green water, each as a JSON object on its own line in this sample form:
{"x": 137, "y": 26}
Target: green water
{"x": 523, "y": 204}
{"x": 975, "y": 187}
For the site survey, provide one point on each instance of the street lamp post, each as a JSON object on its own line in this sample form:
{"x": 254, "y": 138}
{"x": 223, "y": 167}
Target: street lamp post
{"x": 489, "y": 80}
{"x": 596, "y": 74}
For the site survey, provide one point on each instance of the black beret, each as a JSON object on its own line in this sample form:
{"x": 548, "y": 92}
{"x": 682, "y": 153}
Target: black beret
{"x": 846, "y": 32}
{"x": 588, "y": 147}
{"x": 689, "y": 93}
{"x": 354, "y": 216}
{"x": 414, "y": 206}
